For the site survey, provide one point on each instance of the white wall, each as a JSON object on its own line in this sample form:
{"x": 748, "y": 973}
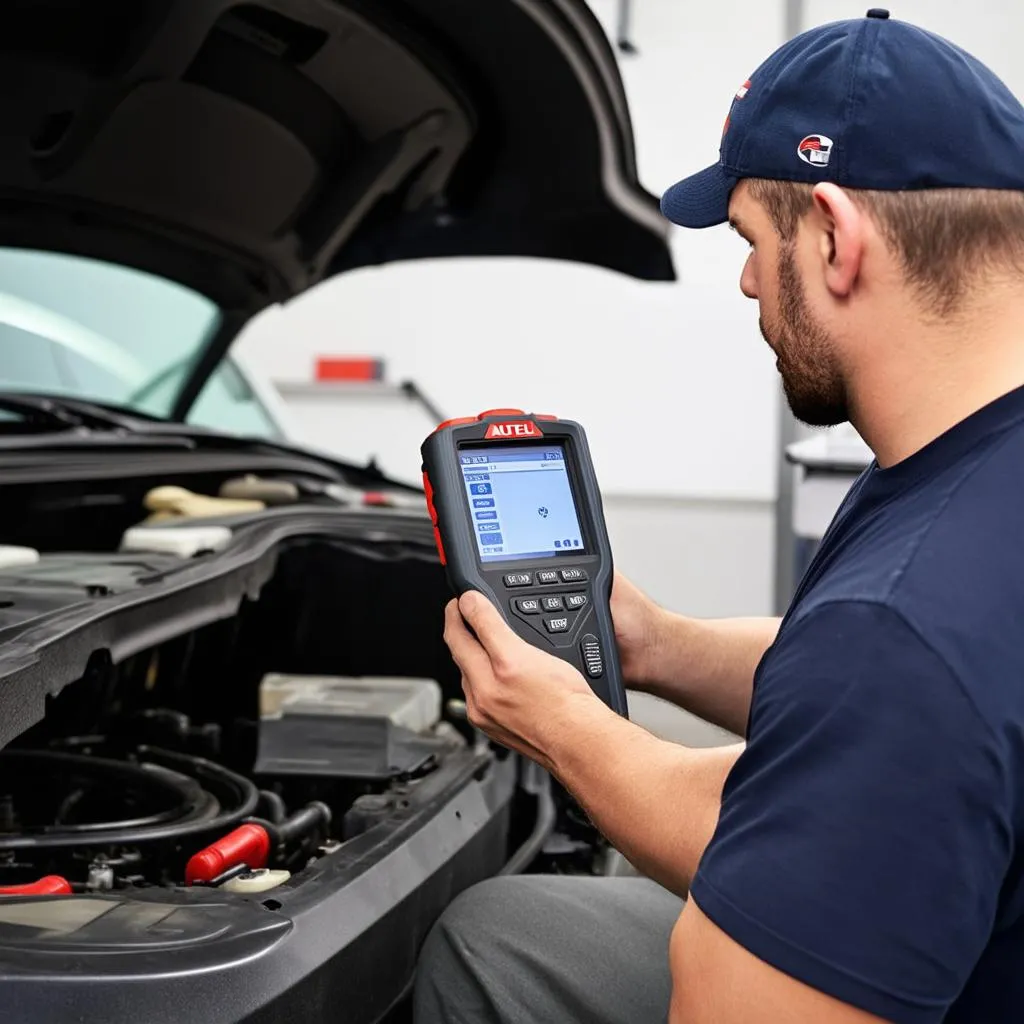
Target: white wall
{"x": 992, "y": 30}
{"x": 579, "y": 341}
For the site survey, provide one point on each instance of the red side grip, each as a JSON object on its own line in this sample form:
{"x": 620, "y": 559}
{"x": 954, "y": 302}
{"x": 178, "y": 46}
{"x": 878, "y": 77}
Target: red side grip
{"x": 49, "y": 885}
{"x": 433, "y": 517}
{"x": 440, "y": 546}
{"x": 429, "y": 491}
{"x": 248, "y": 844}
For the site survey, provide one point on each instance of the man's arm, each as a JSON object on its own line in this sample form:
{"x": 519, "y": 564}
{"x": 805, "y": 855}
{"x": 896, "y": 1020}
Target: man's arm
{"x": 655, "y": 801}
{"x": 703, "y": 665}
{"x": 716, "y": 981}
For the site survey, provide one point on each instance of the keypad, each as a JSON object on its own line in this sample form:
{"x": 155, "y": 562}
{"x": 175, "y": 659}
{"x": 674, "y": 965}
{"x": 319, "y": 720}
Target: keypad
{"x": 556, "y": 613}
{"x": 573, "y": 575}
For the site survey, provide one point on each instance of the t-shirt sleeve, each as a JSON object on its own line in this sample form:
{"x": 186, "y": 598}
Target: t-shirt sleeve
{"x": 866, "y": 829}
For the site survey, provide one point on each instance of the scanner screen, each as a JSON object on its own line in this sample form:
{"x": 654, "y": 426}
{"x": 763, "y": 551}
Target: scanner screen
{"x": 521, "y": 502}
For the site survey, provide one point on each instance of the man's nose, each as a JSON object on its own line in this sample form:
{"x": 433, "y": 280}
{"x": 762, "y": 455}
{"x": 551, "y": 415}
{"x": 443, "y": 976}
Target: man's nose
{"x": 748, "y": 281}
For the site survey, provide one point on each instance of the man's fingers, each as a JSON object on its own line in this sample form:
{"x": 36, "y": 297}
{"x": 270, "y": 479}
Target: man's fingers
{"x": 491, "y": 629}
{"x": 465, "y": 648}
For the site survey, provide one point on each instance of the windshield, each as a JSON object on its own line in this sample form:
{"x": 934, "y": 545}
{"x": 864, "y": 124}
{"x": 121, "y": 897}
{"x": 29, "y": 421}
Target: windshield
{"x": 98, "y": 331}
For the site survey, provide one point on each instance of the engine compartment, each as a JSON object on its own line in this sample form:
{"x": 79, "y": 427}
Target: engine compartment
{"x": 143, "y": 762}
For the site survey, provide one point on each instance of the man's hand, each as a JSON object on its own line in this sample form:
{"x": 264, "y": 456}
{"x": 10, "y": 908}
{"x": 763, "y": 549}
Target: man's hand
{"x": 515, "y": 693}
{"x": 623, "y": 777}
{"x": 639, "y": 625}
{"x": 703, "y": 665}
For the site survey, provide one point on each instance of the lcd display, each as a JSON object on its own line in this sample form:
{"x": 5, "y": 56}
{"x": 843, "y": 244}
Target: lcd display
{"x": 521, "y": 502}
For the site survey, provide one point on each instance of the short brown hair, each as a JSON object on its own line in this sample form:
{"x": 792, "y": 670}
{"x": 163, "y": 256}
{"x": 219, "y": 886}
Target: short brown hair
{"x": 944, "y": 238}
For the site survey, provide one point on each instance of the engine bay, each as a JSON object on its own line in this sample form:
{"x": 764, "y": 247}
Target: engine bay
{"x": 156, "y": 800}
{"x": 300, "y": 711}
{"x": 139, "y": 767}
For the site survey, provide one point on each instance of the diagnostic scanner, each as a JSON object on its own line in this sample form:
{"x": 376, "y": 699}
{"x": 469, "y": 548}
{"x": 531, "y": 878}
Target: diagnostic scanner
{"x": 517, "y": 515}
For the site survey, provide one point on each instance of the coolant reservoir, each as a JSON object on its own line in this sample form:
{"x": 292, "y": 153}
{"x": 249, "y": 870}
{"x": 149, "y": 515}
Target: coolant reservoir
{"x": 354, "y": 728}
{"x": 413, "y": 704}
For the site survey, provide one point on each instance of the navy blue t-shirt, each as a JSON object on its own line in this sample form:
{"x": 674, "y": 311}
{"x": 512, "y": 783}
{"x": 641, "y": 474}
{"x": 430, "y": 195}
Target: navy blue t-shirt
{"x": 870, "y": 840}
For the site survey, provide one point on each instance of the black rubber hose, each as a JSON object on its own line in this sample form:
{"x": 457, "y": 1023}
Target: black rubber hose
{"x": 547, "y": 816}
{"x": 271, "y": 806}
{"x": 224, "y": 799}
{"x": 177, "y": 793}
{"x": 312, "y": 818}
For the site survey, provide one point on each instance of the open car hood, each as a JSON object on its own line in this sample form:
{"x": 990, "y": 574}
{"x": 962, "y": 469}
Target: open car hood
{"x": 251, "y": 150}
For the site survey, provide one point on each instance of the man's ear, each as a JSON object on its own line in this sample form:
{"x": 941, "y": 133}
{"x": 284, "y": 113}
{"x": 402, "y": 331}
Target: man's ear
{"x": 841, "y": 228}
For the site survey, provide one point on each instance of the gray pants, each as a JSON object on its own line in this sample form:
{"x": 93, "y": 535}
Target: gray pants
{"x": 538, "y": 949}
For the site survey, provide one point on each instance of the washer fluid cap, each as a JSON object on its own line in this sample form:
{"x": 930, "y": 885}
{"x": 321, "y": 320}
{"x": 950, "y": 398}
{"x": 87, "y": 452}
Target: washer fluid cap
{"x": 256, "y": 881}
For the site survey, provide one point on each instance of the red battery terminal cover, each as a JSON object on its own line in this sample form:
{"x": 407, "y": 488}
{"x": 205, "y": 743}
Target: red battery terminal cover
{"x": 248, "y": 844}
{"x": 48, "y": 885}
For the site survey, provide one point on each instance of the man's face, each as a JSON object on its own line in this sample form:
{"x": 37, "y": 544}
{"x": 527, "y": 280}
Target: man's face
{"x": 805, "y": 353}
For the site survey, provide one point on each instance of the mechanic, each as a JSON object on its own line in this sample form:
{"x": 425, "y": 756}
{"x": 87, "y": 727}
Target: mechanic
{"x": 859, "y": 857}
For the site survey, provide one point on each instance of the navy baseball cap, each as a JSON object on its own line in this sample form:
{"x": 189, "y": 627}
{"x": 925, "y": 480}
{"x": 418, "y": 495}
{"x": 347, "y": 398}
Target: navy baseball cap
{"x": 870, "y": 103}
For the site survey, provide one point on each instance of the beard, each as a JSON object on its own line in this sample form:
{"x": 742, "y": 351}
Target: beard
{"x": 805, "y": 354}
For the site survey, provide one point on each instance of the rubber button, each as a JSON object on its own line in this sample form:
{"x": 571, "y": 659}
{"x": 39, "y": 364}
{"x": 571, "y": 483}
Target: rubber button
{"x": 547, "y": 576}
{"x": 518, "y": 579}
{"x": 593, "y": 661}
{"x": 557, "y": 625}
{"x": 573, "y": 575}
{"x": 552, "y": 604}
{"x": 878, "y": 12}
{"x": 528, "y": 605}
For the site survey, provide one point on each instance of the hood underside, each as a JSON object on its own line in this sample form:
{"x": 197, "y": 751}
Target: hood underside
{"x": 250, "y": 150}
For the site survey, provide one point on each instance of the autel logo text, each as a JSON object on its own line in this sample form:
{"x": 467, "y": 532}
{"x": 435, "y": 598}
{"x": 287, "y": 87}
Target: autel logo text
{"x": 513, "y": 431}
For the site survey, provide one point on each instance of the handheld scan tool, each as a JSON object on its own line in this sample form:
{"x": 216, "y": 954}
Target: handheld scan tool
{"x": 517, "y": 515}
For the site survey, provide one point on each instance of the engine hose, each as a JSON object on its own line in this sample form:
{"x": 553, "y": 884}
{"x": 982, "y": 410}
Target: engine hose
{"x": 547, "y": 816}
{"x": 271, "y": 806}
{"x": 313, "y": 819}
{"x": 220, "y": 800}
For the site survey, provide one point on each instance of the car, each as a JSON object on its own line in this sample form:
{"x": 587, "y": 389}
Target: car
{"x": 236, "y": 778}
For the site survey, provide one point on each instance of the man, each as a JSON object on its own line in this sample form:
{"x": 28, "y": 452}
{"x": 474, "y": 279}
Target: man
{"x": 859, "y": 859}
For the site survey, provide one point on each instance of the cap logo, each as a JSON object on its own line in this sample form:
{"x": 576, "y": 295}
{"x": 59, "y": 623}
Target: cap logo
{"x": 815, "y": 150}
{"x": 741, "y": 93}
